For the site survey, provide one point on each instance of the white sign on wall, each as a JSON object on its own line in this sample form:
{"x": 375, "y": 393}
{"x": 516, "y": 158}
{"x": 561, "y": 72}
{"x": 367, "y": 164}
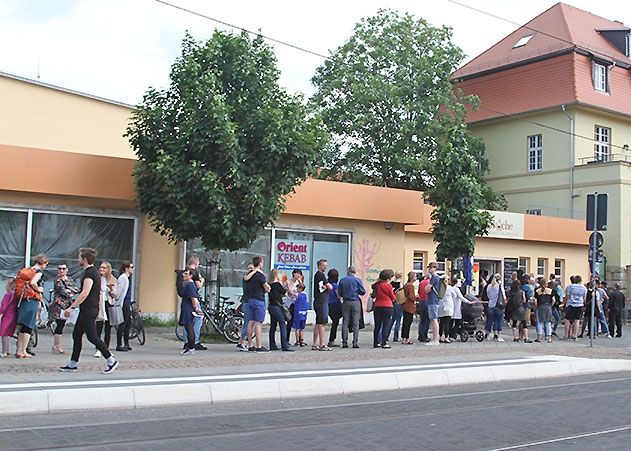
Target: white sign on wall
{"x": 507, "y": 225}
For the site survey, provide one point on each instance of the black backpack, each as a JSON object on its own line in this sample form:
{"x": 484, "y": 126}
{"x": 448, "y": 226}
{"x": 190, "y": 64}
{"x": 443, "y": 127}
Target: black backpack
{"x": 179, "y": 282}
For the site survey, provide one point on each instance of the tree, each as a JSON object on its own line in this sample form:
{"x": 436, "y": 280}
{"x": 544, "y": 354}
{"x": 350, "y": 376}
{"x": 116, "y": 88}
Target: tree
{"x": 396, "y": 120}
{"x": 220, "y": 147}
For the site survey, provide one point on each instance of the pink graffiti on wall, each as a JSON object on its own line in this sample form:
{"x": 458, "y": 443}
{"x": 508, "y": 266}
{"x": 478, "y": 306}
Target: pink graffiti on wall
{"x": 363, "y": 259}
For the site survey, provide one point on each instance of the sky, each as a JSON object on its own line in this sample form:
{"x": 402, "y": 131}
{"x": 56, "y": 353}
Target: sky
{"x": 118, "y": 48}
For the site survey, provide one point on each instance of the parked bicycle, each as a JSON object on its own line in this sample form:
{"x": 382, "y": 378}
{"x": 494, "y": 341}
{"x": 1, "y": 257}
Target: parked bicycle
{"x": 137, "y": 326}
{"x": 225, "y": 319}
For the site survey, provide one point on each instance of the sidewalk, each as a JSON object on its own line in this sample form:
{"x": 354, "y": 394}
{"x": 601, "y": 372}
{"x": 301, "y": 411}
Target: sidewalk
{"x": 156, "y": 374}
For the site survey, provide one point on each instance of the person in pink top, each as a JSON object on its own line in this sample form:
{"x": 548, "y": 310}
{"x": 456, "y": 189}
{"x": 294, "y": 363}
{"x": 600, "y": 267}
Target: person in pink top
{"x": 382, "y": 307}
{"x": 9, "y": 316}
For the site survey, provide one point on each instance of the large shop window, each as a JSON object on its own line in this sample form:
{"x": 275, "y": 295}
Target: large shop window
{"x": 288, "y": 250}
{"x": 60, "y": 236}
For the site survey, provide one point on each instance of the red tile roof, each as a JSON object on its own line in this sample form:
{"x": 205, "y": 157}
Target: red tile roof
{"x": 548, "y": 72}
{"x": 559, "y": 29}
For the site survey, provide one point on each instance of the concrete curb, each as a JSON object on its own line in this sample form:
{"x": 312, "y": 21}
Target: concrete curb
{"x": 115, "y": 393}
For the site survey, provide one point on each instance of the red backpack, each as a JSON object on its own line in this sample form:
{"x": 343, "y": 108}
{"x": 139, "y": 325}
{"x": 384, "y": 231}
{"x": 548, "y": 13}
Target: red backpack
{"x": 23, "y": 288}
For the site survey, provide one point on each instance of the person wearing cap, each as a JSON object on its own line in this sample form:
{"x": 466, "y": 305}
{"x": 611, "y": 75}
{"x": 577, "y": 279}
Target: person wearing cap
{"x": 350, "y": 288}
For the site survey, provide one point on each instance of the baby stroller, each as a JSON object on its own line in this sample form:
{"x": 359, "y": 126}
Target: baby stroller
{"x": 471, "y": 315}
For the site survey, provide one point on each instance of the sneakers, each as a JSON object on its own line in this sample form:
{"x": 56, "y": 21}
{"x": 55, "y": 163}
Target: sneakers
{"x": 252, "y": 349}
{"x": 500, "y": 339}
{"x": 287, "y": 350}
{"x": 68, "y": 369}
{"x": 345, "y": 346}
{"x": 110, "y": 368}
{"x": 118, "y": 349}
{"x": 200, "y": 347}
{"x": 188, "y": 352}
{"x": 386, "y": 346}
{"x": 432, "y": 343}
{"x": 98, "y": 354}
{"x": 242, "y": 347}
{"x": 333, "y": 344}
{"x": 355, "y": 346}
{"x": 262, "y": 349}
{"x": 527, "y": 340}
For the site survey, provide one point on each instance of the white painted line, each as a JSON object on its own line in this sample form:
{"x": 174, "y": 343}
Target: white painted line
{"x": 563, "y": 439}
{"x": 226, "y": 377}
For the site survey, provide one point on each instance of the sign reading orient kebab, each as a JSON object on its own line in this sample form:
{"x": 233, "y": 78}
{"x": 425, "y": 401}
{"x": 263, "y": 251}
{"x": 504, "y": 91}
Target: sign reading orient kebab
{"x": 292, "y": 255}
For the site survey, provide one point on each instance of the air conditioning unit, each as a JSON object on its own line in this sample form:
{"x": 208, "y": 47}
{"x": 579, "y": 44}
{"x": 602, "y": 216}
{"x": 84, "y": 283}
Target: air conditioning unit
{"x": 534, "y": 211}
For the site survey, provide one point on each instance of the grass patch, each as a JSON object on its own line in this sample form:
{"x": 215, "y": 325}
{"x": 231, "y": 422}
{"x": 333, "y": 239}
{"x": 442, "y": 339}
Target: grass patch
{"x": 154, "y": 321}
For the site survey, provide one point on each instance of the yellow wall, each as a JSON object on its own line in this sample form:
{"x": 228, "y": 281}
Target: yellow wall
{"x": 587, "y": 119}
{"x": 46, "y": 118}
{"x": 374, "y": 247}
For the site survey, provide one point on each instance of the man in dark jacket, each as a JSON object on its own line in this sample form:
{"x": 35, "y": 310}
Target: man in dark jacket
{"x": 616, "y": 310}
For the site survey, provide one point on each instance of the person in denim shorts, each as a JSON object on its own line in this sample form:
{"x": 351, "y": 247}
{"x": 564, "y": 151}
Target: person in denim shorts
{"x": 254, "y": 308}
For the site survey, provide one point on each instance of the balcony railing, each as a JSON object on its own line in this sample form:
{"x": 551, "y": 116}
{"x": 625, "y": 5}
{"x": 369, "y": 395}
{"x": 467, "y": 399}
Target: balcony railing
{"x": 611, "y": 158}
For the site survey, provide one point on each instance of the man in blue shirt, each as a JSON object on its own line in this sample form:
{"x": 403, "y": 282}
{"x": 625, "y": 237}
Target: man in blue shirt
{"x": 350, "y": 288}
{"x": 433, "y": 302}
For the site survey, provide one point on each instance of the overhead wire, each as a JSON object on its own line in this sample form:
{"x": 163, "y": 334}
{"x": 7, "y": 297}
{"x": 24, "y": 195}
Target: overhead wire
{"x": 314, "y": 53}
{"x": 236, "y": 27}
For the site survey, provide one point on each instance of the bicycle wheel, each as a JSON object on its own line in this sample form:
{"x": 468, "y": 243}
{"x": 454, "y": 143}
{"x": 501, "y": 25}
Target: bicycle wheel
{"x": 232, "y": 329}
{"x": 141, "y": 335}
{"x": 133, "y": 332}
{"x": 34, "y": 338}
{"x": 179, "y": 332}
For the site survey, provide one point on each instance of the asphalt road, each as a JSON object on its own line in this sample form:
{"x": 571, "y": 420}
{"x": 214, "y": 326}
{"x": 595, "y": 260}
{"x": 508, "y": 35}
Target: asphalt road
{"x": 580, "y": 413}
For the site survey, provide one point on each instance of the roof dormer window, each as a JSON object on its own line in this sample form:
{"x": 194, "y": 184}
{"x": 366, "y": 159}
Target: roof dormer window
{"x": 523, "y": 41}
{"x": 600, "y": 76}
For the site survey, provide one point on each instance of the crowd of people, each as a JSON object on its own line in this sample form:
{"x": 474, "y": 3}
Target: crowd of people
{"x": 438, "y": 301}
{"x": 94, "y": 305}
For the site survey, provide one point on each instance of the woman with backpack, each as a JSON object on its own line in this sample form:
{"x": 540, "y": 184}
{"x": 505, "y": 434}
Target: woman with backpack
{"x": 29, "y": 289}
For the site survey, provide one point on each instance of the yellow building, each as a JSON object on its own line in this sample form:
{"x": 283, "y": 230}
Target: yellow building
{"x": 67, "y": 183}
{"x": 555, "y": 116}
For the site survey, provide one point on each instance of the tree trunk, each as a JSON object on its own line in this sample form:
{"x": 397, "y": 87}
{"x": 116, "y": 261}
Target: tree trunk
{"x": 213, "y": 282}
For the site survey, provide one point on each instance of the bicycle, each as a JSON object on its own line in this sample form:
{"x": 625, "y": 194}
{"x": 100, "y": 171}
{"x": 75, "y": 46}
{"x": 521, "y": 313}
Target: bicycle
{"x": 225, "y": 319}
{"x": 137, "y": 325}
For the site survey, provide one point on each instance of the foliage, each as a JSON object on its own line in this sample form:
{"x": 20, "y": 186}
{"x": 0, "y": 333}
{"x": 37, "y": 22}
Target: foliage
{"x": 220, "y": 147}
{"x": 396, "y": 120}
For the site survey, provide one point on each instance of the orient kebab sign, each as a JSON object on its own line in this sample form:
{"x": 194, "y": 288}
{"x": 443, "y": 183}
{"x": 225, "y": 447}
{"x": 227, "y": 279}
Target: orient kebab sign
{"x": 292, "y": 255}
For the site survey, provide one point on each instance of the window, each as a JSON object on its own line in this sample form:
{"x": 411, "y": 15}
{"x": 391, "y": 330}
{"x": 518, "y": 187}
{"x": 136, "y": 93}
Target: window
{"x": 442, "y": 267}
{"x": 418, "y": 262}
{"x": 602, "y": 138}
{"x": 558, "y": 268}
{"x": 523, "y": 264}
{"x": 542, "y": 267}
{"x": 523, "y": 41}
{"x": 600, "y": 76}
{"x": 535, "y": 153}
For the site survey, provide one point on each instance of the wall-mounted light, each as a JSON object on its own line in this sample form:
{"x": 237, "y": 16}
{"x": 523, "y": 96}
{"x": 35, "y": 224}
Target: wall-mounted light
{"x": 388, "y": 225}
{"x": 625, "y": 147}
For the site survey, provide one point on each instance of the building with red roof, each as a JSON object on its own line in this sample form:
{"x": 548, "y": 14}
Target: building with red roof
{"x": 555, "y": 115}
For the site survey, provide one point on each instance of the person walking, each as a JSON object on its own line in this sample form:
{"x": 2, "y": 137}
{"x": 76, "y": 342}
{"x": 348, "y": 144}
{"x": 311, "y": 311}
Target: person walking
{"x": 422, "y": 311}
{"x": 382, "y": 307}
{"x": 106, "y": 298}
{"x": 30, "y": 279}
{"x": 63, "y": 291}
{"x": 544, "y": 299}
{"x": 277, "y": 313}
{"x": 408, "y": 308}
{"x": 88, "y": 299}
{"x": 616, "y": 311}
{"x": 350, "y": 288}
{"x": 433, "y": 303}
{"x": 497, "y": 301}
{"x": 321, "y": 287}
{"x": 334, "y": 306}
{"x": 123, "y": 299}
{"x": 397, "y": 310}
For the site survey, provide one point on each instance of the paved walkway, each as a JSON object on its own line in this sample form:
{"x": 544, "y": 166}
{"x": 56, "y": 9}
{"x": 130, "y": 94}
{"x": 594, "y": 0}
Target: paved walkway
{"x": 160, "y": 356}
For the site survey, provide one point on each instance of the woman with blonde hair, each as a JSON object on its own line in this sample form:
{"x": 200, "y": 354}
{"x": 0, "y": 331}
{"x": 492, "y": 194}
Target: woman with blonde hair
{"x": 108, "y": 297}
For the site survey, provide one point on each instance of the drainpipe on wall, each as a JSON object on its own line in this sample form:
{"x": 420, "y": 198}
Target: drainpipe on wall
{"x": 572, "y": 139}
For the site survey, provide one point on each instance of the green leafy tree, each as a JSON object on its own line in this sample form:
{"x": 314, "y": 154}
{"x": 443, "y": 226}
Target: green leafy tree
{"x": 387, "y": 99}
{"x": 220, "y": 147}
